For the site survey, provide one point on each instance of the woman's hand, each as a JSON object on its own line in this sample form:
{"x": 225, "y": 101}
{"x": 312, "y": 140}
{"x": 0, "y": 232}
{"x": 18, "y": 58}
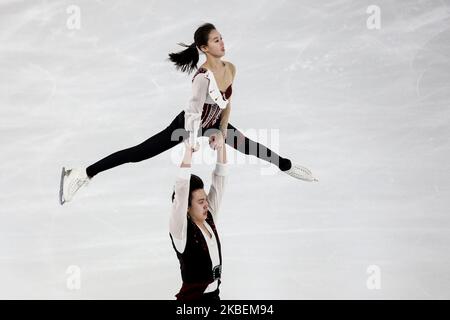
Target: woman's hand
{"x": 189, "y": 148}
{"x": 216, "y": 141}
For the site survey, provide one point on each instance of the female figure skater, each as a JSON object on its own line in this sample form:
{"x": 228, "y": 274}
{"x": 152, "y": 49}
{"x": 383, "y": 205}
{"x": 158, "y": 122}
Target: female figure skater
{"x": 192, "y": 228}
{"x": 209, "y": 108}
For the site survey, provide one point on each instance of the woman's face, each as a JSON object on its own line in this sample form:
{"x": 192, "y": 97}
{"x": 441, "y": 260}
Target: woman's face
{"x": 199, "y": 206}
{"x": 216, "y": 46}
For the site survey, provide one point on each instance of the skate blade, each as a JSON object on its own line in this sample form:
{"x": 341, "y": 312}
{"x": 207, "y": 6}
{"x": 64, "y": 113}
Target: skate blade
{"x": 61, "y": 184}
{"x": 304, "y": 169}
{"x": 303, "y": 176}
{"x": 309, "y": 178}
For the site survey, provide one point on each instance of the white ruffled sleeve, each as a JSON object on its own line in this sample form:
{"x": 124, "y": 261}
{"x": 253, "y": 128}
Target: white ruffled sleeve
{"x": 178, "y": 215}
{"x": 217, "y": 188}
{"x": 193, "y": 113}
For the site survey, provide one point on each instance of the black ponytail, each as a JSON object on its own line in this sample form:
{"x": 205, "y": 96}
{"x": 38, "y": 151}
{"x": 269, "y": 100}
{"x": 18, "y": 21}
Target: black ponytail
{"x": 187, "y": 60}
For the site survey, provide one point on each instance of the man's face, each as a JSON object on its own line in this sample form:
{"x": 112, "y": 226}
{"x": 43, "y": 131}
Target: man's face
{"x": 199, "y": 206}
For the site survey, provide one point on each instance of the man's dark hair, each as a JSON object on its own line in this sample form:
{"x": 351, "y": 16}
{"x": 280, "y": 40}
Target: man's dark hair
{"x": 195, "y": 183}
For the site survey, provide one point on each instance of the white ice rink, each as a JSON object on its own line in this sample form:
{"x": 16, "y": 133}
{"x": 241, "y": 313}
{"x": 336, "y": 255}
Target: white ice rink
{"x": 367, "y": 110}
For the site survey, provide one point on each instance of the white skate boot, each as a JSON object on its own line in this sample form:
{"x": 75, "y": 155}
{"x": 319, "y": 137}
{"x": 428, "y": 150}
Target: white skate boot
{"x": 299, "y": 172}
{"x": 71, "y": 181}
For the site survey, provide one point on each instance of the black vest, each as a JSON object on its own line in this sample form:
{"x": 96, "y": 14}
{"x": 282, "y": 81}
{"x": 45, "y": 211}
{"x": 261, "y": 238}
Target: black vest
{"x": 195, "y": 262}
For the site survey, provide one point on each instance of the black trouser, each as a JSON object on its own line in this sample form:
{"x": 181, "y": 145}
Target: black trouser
{"x": 173, "y": 135}
{"x": 210, "y": 296}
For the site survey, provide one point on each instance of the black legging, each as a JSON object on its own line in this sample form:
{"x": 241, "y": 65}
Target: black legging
{"x": 173, "y": 135}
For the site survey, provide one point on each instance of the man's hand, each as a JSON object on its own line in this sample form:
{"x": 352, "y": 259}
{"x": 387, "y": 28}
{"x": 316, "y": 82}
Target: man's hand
{"x": 216, "y": 141}
{"x": 188, "y": 151}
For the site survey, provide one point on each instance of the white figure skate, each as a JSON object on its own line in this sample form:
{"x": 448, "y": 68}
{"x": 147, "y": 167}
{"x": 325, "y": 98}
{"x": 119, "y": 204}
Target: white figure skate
{"x": 71, "y": 181}
{"x": 299, "y": 172}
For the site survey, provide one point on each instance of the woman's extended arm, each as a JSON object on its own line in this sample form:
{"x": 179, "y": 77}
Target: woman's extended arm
{"x": 193, "y": 113}
{"x": 225, "y": 116}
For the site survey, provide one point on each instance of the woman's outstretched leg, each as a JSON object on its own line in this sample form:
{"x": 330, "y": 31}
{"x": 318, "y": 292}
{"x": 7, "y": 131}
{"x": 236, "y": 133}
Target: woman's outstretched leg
{"x": 151, "y": 147}
{"x": 240, "y": 142}
{"x": 74, "y": 179}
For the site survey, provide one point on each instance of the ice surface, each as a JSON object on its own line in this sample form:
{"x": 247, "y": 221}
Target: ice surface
{"x": 366, "y": 110}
